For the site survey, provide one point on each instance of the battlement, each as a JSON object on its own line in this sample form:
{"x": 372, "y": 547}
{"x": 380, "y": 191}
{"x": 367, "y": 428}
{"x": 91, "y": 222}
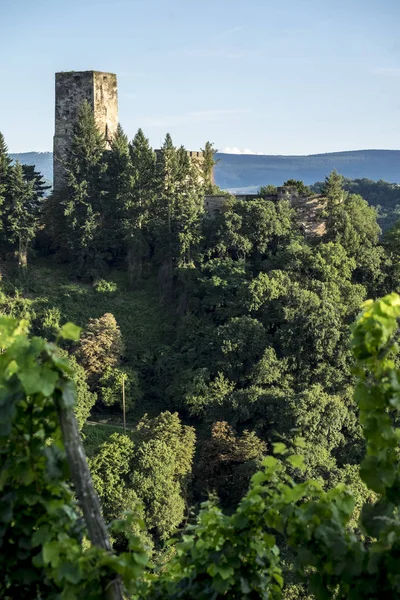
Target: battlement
{"x": 72, "y": 88}
{"x": 195, "y": 154}
{"x": 309, "y": 210}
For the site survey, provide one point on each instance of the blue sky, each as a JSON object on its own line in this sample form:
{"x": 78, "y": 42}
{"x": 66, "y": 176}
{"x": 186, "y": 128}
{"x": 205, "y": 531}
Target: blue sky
{"x": 270, "y": 76}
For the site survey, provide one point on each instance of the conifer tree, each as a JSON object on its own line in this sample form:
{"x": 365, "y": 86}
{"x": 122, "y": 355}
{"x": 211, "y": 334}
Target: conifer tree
{"x": 82, "y": 198}
{"x": 139, "y": 209}
{"x": 5, "y": 162}
{"x": 39, "y": 184}
{"x": 189, "y": 206}
{"x": 117, "y": 194}
{"x": 180, "y": 208}
{"x": 333, "y": 189}
{"x": 208, "y": 165}
{"x": 167, "y": 167}
{"x": 22, "y": 212}
{"x": 5, "y": 166}
{"x": 167, "y": 176}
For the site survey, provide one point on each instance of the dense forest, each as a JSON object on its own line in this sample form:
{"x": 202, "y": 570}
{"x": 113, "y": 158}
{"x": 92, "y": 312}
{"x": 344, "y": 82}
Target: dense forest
{"x": 384, "y": 196}
{"x": 226, "y": 340}
{"x": 245, "y": 173}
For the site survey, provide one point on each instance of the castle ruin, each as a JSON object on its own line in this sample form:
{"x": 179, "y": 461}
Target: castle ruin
{"x": 100, "y": 91}
{"x": 72, "y": 89}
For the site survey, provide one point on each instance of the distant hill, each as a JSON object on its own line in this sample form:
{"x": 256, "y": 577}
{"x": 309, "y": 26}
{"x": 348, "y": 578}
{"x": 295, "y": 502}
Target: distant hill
{"x": 245, "y": 173}
{"x": 43, "y": 162}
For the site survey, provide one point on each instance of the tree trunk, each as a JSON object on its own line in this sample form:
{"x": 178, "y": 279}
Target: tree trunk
{"x": 23, "y": 254}
{"x": 134, "y": 262}
{"x": 86, "y": 494}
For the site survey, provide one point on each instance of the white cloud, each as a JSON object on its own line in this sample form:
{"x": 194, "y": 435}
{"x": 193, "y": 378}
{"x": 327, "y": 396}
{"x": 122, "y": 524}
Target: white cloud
{"x": 235, "y": 150}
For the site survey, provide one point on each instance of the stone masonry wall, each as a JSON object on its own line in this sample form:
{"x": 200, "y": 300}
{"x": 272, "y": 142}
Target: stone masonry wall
{"x": 105, "y": 104}
{"x": 72, "y": 89}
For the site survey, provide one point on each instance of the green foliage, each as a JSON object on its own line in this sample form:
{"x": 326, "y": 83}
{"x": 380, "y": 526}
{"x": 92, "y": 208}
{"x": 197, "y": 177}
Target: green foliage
{"x": 251, "y": 340}
{"x": 85, "y": 399}
{"x": 179, "y": 210}
{"x": 48, "y": 298}
{"x": 162, "y": 466}
{"x": 140, "y": 211}
{"x": 330, "y": 556}
{"x": 153, "y": 469}
{"x": 111, "y": 384}
{"x": 352, "y": 223}
{"x": 41, "y": 532}
{"x": 39, "y": 183}
{"x": 218, "y": 558}
{"x": 299, "y": 186}
{"x": 21, "y": 212}
{"x": 81, "y": 201}
{"x": 220, "y": 555}
{"x": 333, "y": 189}
{"x": 105, "y": 287}
{"x": 95, "y": 434}
{"x": 384, "y": 196}
{"x": 116, "y": 194}
{"x": 100, "y": 346}
{"x": 266, "y": 191}
{"x": 5, "y": 165}
{"x": 208, "y": 165}
{"x": 253, "y": 228}
{"x": 227, "y": 462}
{"x": 111, "y": 469}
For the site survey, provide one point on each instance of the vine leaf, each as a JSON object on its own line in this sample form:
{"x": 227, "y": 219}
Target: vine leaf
{"x": 70, "y": 331}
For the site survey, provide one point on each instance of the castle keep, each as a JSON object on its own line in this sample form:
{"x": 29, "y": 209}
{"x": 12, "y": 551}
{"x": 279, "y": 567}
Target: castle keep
{"x": 72, "y": 89}
{"x": 100, "y": 91}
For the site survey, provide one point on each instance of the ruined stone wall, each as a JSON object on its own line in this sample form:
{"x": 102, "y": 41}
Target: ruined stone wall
{"x": 105, "y": 104}
{"x": 72, "y": 89}
{"x": 309, "y": 210}
{"x": 214, "y": 204}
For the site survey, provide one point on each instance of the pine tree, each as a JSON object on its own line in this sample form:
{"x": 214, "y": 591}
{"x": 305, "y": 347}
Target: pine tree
{"x": 333, "y": 189}
{"x": 5, "y": 162}
{"x": 22, "y": 212}
{"x": 5, "y": 167}
{"x": 118, "y": 182}
{"x": 39, "y": 184}
{"x": 139, "y": 210}
{"x": 168, "y": 168}
{"x": 188, "y": 209}
{"x": 208, "y": 165}
{"x": 179, "y": 209}
{"x": 82, "y": 198}
{"x": 167, "y": 177}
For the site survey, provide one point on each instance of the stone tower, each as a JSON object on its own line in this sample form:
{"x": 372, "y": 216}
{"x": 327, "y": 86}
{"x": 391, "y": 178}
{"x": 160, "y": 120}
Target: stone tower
{"x": 72, "y": 89}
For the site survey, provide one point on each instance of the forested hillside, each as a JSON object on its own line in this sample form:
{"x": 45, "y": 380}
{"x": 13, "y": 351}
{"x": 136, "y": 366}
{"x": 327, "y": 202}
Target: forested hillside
{"x": 381, "y": 194}
{"x": 243, "y": 173}
{"x": 246, "y": 173}
{"x": 226, "y": 338}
